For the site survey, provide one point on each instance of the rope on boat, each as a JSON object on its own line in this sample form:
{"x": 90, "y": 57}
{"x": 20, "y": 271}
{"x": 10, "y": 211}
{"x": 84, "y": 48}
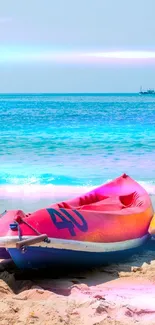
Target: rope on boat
{"x": 16, "y": 226}
{"x": 3, "y": 213}
{"x": 19, "y": 231}
{"x": 31, "y": 227}
{"x": 21, "y": 244}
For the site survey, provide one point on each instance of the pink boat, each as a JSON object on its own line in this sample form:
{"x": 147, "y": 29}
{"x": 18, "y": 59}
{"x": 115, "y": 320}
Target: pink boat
{"x": 102, "y": 226}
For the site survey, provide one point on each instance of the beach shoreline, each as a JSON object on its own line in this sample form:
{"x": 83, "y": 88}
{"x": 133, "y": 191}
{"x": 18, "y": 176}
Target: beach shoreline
{"x": 31, "y": 204}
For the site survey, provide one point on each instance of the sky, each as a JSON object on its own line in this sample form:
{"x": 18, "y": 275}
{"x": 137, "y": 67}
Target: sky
{"x": 61, "y": 46}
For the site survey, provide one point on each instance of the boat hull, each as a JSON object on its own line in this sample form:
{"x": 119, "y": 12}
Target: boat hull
{"x": 104, "y": 225}
{"x": 4, "y": 254}
{"x": 35, "y": 257}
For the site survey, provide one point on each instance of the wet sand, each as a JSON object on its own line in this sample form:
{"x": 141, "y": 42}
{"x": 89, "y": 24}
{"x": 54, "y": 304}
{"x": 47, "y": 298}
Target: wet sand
{"x": 115, "y": 294}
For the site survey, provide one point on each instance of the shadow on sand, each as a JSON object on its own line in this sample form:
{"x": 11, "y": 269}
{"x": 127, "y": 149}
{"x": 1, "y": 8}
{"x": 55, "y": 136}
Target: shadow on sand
{"x": 60, "y": 279}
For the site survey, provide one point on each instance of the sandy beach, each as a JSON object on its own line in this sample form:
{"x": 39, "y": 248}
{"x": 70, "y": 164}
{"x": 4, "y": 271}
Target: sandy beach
{"x": 115, "y": 294}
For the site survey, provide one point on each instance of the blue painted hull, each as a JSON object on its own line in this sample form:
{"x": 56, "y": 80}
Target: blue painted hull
{"x": 4, "y": 254}
{"x": 38, "y": 257}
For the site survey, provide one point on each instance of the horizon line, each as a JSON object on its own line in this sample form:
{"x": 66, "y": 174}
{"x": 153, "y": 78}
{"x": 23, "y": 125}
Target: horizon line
{"x": 66, "y": 93}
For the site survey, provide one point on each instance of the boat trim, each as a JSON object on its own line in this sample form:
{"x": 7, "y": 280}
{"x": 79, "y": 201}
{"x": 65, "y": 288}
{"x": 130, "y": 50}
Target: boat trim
{"x": 74, "y": 245}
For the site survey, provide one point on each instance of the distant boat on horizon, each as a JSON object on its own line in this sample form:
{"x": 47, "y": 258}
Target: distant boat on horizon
{"x": 147, "y": 92}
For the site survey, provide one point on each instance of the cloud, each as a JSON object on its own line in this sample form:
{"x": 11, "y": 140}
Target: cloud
{"x": 30, "y": 55}
{"x": 123, "y": 55}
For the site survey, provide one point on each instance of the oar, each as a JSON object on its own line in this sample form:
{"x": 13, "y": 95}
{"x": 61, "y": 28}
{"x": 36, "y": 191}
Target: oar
{"x": 32, "y": 241}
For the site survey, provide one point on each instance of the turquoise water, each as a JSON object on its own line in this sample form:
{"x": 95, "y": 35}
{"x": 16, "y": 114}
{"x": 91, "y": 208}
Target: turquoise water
{"x": 76, "y": 140}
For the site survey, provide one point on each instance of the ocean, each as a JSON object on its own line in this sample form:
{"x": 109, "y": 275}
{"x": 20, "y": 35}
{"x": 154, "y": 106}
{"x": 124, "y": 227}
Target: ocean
{"x": 58, "y": 145}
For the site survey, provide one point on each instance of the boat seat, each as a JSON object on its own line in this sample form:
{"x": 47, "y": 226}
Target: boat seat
{"x": 130, "y": 200}
{"x": 64, "y": 205}
{"x": 92, "y": 198}
{"x": 108, "y": 204}
{"x": 98, "y": 202}
{"x": 113, "y": 203}
{"x": 84, "y": 200}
